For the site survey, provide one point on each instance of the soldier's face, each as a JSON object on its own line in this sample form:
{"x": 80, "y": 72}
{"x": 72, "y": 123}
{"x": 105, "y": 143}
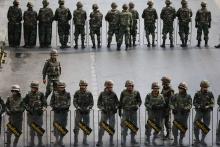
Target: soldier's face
{"x": 83, "y": 87}
{"x": 165, "y": 84}
{"x": 34, "y": 90}
{"x": 53, "y": 56}
{"x": 109, "y": 88}
{"x": 204, "y": 89}
{"x": 155, "y": 91}
{"x": 60, "y": 89}
{"x": 181, "y": 91}
{"x": 14, "y": 92}
{"x": 130, "y": 87}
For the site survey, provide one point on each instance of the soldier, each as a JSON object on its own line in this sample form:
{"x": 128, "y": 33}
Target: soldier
{"x": 167, "y": 93}
{"x": 218, "y": 128}
{"x": 133, "y": 31}
{"x": 52, "y": 70}
{"x": 154, "y": 104}
{"x": 184, "y": 15}
{"x": 130, "y": 101}
{"x": 168, "y": 15}
{"x": 14, "y": 109}
{"x": 83, "y": 102}
{"x": 60, "y": 103}
{"x": 63, "y": 15}
{"x": 35, "y": 104}
{"x": 2, "y": 110}
{"x": 150, "y": 16}
{"x": 14, "y": 24}
{"x": 30, "y": 26}
{"x": 45, "y": 17}
{"x": 203, "y": 23}
{"x": 125, "y": 25}
{"x": 204, "y": 103}
{"x": 95, "y": 23}
{"x": 79, "y": 20}
{"x": 181, "y": 104}
{"x": 108, "y": 103}
{"x": 112, "y": 17}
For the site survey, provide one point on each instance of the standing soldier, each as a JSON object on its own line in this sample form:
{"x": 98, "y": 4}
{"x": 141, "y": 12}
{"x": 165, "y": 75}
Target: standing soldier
{"x": 2, "y": 110}
{"x": 184, "y": 15}
{"x": 218, "y": 128}
{"x": 168, "y": 15}
{"x": 35, "y": 103}
{"x": 14, "y": 24}
{"x": 150, "y": 16}
{"x": 45, "y": 17}
{"x": 95, "y": 23}
{"x": 60, "y": 103}
{"x": 203, "y": 23}
{"x": 154, "y": 104}
{"x": 83, "y": 102}
{"x": 52, "y": 70}
{"x": 167, "y": 93}
{"x": 108, "y": 104}
{"x": 130, "y": 101}
{"x": 79, "y": 20}
{"x": 204, "y": 103}
{"x": 125, "y": 25}
{"x": 181, "y": 104}
{"x": 135, "y": 17}
{"x": 30, "y": 26}
{"x": 14, "y": 109}
{"x": 63, "y": 15}
{"x": 112, "y": 18}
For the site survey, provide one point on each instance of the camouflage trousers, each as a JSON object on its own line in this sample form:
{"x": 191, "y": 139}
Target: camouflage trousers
{"x": 104, "y": 118}
{"x": 45, "y": 34}
{"x": 131, "y": 116}
{"x": 30, "y": 35}
{"x": 183, "y": 119}
{"x": 205, "y": 29}
{"x": 167, "y": 28}
{"x": 166, "y": 120}
{"x": 51, "y": 84}
{"x": 14, "y": 34}
{"x": 184, "y": 31}
{"x": 81, "y": 117}
{"x": 95, "y": 31}
{"x": 124, "y": 31}
{"x": 150, "y": 30}
{"x": 63, "y": 31}
{"x": 133, "y": 33}
{"x": 61, "y": 118}
{"x": 80, "y": 30}
{"x": 112, "y": 29}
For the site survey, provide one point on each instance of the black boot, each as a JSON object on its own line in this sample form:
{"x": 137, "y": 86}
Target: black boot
{"x": 99, "y": 45}
{"x": 206, "y": 43}
{"x": 76, "y": 44}
{"x": 199, "y": 42}
{"x": 108, "y": 45}
{"x": 163, "y": 44}
{"x": 118, "y": 47}
{"x": 93, "y": 46}
{"x": 183, "y": 43}
{"x": 186, "y": 40}
{"x": 126, "y": 47}
{"x": 217, "y": 46}
{"x": 171, "y": 43}
{"x": 134, "y": 43}
{"x": 83, "y": 45}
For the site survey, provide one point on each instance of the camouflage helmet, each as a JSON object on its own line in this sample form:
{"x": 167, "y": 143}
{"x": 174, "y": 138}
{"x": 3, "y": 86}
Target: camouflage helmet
{"x": 150, "y": 3}
{"x": 129, "y": 83}
{"x": 45, "y": 2}
{"x": 34, "y": 84}
{"x": 203, "y": 4}
{"x": 15, "y": 88}
{"x": 29, "y": 4}
{"x": 124, "y": 6}
{"x": 108, "y": 83}
{"x": 183, "y": 85}
{"x": 79, "y": 5}
{"x": 53, "y": 52}
{"x": 114, "y": 5}
{"x": 204, "y": 84}
{"x": 16, "y": 2}
{"x": 61, "y": 2}
{"x": 155, "y": 85}
{"x": 168, "y": 2}
{"x": 83, "y": 83}
{"x": 184, "y": 2}
{"x": 166, "y": 79}
{"x": 61, "y": 85}
{"x": 131, "y": 5}
{"x": 95, "y": 6}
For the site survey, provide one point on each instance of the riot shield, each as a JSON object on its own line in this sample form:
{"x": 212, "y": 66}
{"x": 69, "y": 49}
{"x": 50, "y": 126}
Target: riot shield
{"x": 58, "y": 44}
{"x": 58, "y": 130}
{"x": 128, "y": 126}
{"x": 85, "y": 129}
{"x": 203, "y": 128}
{"x": 108, "y": 126}
{"x": 11, "y": 131}
{"x": 156, "y": 35}
{"x": 167, "y": 38}
{"x": 178, "y": 40}
{"x": 33, "y": 125}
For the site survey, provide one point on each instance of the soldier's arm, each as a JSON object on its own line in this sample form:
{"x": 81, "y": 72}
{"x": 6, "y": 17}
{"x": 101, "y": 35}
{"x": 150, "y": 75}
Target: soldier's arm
{"x": 143, "y": 14}
{"x": 85, "y": 15}
{"x": 44, "y": 100}
{"x": 20, "y": 15}
{"x": 51, "y": 15}
{"x": 172, "y": 102}
{"x": 161, "y": 14}
{"x": 75, "y": 100}
{"x": 68, "y": 100}
{"x": 44, "y": 72}
{"x": 60, "y": 68}
{"x": 91, "y": 101}
{"x": 212, "y": 100}
{"x": 155, "y": 14}
{"x": 9, "y": 14}
{"x": 3, "y": 106}
{"x": 196, "y": 102}
{"x": 99, "y": 103}
{"x": 174, "y": 13}
{"x": 7, "y": 105}
{"x": 107, "y": 17}
{"x": 55, "y": 16}
{"x": 121, "y": 100}
{"x": 69, "y": 14}
{"x": 52, "y": 100}
{"x": 147, "y": 102}
{"x": 188, "y": 106}
{"x": 210, "y": 19}
{"x": 139, "y": 99}
{"x": 197, "y": 19}
{"x": 218, "y": 102}
{"x": 137, "y": 15}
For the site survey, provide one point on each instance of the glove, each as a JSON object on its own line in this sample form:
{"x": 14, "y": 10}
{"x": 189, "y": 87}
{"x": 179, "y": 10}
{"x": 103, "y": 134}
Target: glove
{"x": 209, "y": 25}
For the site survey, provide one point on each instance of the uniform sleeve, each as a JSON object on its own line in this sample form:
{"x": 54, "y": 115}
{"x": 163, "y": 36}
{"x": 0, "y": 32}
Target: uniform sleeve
{"x": 197, "y": 16}
{"x": 56, "y": 16}
{"x": 69, "y": 14}
{"x": 91, "y": 100}
{"x": 44, "y": 72}
{"x": 188, "y": 106}
{"x": 147, "y": 102}
{"x": 25, "y": 100}
{"x": 178, "y": 13}
{"x": 210, "y": 17}
{"x": 162, "y": 14}
{"x": 107, "y": 17}
{"x": 7, "y": 105}
{"x": 9, "y": 14}
{"x": 3, "y": 106}
{"x": 20, "y": 15}
{"x": 85, "y": 15}
{"x": 155, "y": 14}
{"x": 139, "y": 99}
{"x": 218, "y": 102}
{"x": 99, "y": 103}
{"x": 172, "y": 102}
{"x": 137, "y": 15}
{"x": 121, "y": 100}
{"x": 191, "y": 14}
{"x": 75, "y": 100}
{"x": 196, "y": 103}
{"x": 52, "y": 101}
{"x": 212, "y": 100}
{"x": 51, "y": 15}
{"x": 143, "y": 14}
{"x": 69, "y": 100}
{"x": 44, "y": 100}
{"x": 60, "y": 68}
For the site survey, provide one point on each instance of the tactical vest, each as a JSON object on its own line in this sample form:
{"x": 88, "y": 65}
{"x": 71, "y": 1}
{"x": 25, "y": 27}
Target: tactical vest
{"x": 204, "y": 98}
{"x": 35, "y": 100}
{"x": 108, "y": 100}
{"x": 15, "y": 104}
{"x": 129, "y": 99}
{"x": 155, "y": 101}
{"x": 203, "y": 16}
{"x": 112, "y": 17}
{"x": 61, "y": 100}
{"x": 168, "y": 15}
{"x": 149, "y": 15}
{"x": 63, "y": 15}
{"x": 79, "y": 17}
{"x": 53, "y": 68}
{"x": 45, "y": 15}
{"x": 14, "y": 14}
{"x": 134, "y": 15}
{"x": 83, "y": 99}
{"x": 96, "y": 19}
{"x": 181, "y": 101}
{"x": 30, "y": 18}
{"x": 184, "y": 15}
{"x": 125, "y": 18}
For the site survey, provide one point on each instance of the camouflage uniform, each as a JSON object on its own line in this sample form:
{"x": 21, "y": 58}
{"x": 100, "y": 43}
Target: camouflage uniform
{"x": 63, "y": 15}
{"x": 112, "y": 17}
{"x": 130, "y": 102}
{"x": 181, "y": 104}
{"x": 204, "y": 103}
{"x": 218, "y": 128}
{"x": 184, "y": 15}
{"x": 2, "y": 110}
{"x": 167, "y": 93}
{"x": 95, "y": 23}
{"x": 154, "y": 104}
{"x": 14, "y": 109}
{"x": 133, "y": 31}
{"x": 168, "y": 15}
{"x": 45, "y": 17}
{"x": 108, "y": 103}
{"x": 83, "y": 102}
{"x": 14, "y": 16}
{"x": 60, "y": 103}
{"x": 52, "y": 70}
{"x": 34, "y": 103}
{"x": 79, "y": 20}
{"x": 30, "y": 26}
{"x": 125, "y": 25}
{"x": 203, "y": 23}
{"x": 150, "y": 16}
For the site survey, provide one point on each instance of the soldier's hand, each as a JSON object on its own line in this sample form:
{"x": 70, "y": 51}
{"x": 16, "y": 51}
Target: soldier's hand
{"x": 44, "y": 81}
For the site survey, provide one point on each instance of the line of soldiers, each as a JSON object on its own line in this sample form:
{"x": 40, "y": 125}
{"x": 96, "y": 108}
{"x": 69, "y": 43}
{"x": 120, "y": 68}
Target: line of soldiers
{"x": 119, "y": 23}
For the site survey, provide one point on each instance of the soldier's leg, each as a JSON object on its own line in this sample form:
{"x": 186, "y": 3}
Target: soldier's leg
{"x": 124, "y": 130}
{"x": 168, "y": 124}
{"x": 78, "y": 118}
{"x": 134, "y": 35}
{"x": 134, "y": 120}
{"x": 83, "y": 34}
{"x": 127, "y": 37}
{"x": 98, "y": 32}
{"x": 171, "y": 35}
{"x": 110, "y": 34}
{"x": 26, "y": 35}
{"x": 30, "y": 119}
{"x": 86, "y": 119}
{"x": 218, "y": 133}
{"x": 61, "y": 35}
{"x": 148, "y": 129}
{"x": 92, "y": 34}
{"x": 112, "y": 124}
{"x": 164, "y": 35}
{"x": 104, "y": 117}
{"x": 17, "y": 35}
{"x": 56, "y": 133}
{"x": 76, "y": 36}
{"x": 48, "y": 88}
{"x": 206, "y": 120}
{"x": 184, "y": 120}
{"x": 11, "y": 31}
{"x": 48, "y": 35}
{"x": 206, "y": 34}
{"x": 63, "y": 120}
{"x": 39, "y": 121}
{"x": 196, "y": 129}
{"x": 120, "y": 38}
{"x": 186, "y": 30}
{"x": 147, "y": 30}
{"x": 152, "y": 32}
{"x": 199, "y": 35}
{"x": 175, "y": 130}
{"x": 41, "y": 33}
{"x": 18, "y": 124}
{"x": 8, "y": 139}
{"x": 182, "y": 34}
{"x": 66, "y": 35}
{"x": 33, "y": 36}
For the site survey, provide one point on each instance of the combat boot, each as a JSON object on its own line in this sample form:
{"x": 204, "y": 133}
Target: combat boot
{"x": 186, "y": 40}
{"x": 99, "y": 45}
{"x": 175, "y": 142}
{"x": 108, "y": 45}
{"x": 83, "y": 45}
{"x": 76, "y": 44}
{"x": 171, "y": 43}
{"x": 123, "y": 141}
{"x": 206, "y": 43}
{"x": 85, "y": 140}
{"x": 183, "y": 43}
{"x": 163, "y": 44}
{"x": 217, "y": 46}
{"x": 147, "y": 141}
{"x": 111, "y": 141}
{"x": 134, "y": 44}
{"x": 126, "y": 47}
{"x": 75, "y": 140}
{"x": 199, "y": 42}
{"x": 61, "y": 142}
{"x": 133, "y": 140}
{"x": 99, "y": 143}
{"x": 129, "y": 43}
{"x": 15, "y": 142}
{"x": 148, "y": 42}
{"x": 118, "y": 47}
{"x": 40, "y": 143}
{"x": 93, "y": 46}
{"x": 32, "y": 142}
{"x": 203, "y": 141}
{"x": 196, "y": 142}
{"x": 181, "y": 141}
